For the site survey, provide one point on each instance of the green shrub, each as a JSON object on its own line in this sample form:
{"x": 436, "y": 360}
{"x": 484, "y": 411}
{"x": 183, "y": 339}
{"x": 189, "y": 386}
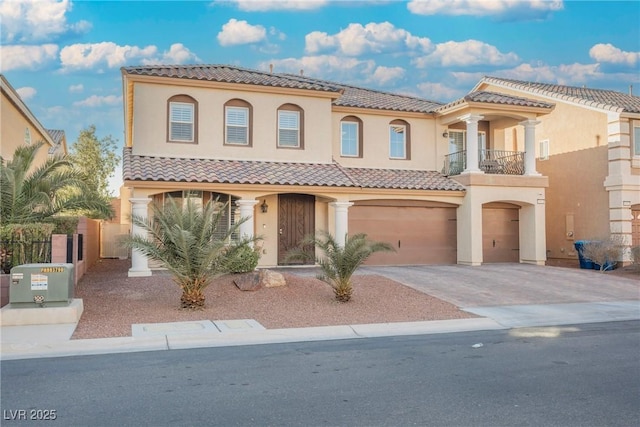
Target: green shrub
{"x": 64, "y": 224}
{"x": 241, "y": 259}
{"x": 24, "y": 243}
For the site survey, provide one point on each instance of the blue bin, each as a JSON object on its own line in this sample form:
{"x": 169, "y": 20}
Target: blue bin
{"x": 585, "y": 263}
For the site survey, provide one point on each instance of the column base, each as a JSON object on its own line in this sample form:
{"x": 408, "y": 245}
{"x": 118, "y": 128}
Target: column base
{"x": 470, "y": 263}
{"x": 139, "y": 273}
{"x": 472, "y": 171}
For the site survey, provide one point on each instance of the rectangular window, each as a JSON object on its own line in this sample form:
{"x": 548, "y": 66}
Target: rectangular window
{"x": 288, "y": 128}
{"x": 544, "y": 150}
{"x": 636, "y": 141}
{"x": 182, "y": 120}
{"x": 456, "y": 141}
{"x": 237, "y": 122}
{"x": 349, "y": 139}
{"x": 397, "y": 142}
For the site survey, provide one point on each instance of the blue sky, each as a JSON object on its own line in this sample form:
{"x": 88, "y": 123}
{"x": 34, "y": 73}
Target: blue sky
{"x": 64, "y": 57}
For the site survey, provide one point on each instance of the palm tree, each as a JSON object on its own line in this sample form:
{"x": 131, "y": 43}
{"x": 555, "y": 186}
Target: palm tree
{"x": 31, "y": 194}
{"x": 339, "y": 262}
{"x": 190, "y": 242}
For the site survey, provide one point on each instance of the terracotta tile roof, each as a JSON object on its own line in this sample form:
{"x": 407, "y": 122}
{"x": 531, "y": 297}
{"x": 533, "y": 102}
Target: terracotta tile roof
{"x": 599, "y": 98}
{"x": 348, "y": 96}
{"x": 166, "y": 169}
{"x": 497, "y": 98}
{"x": 229, "y": 74}
{"x": 57, "y": 136}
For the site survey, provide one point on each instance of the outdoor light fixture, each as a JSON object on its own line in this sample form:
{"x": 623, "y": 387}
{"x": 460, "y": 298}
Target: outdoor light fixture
{"x": 445, "y": 134}
{"x": 264, "y": 207}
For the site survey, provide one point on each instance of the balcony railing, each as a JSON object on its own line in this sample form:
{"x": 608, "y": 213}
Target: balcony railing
{"x": 489, "y": 161}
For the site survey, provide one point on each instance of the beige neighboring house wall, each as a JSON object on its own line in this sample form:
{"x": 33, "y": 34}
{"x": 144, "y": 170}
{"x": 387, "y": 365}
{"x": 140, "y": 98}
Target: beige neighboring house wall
{"x": 592, "y": 165}
{"x": 19, "y": 126}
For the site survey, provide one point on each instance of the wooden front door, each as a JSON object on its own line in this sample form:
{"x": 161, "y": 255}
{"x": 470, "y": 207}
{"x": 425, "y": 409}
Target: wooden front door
{"x": 296, "y": 219}
{"x": 500, "y": 233}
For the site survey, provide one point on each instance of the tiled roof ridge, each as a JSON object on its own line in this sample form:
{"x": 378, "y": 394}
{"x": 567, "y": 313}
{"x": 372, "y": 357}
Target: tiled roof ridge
{"x": 547, "y": 89}
{"x": 347, "y": 174}
{"x": 496, "y": 98}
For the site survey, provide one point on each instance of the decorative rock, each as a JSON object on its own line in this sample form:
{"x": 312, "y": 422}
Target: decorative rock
{"x": 271, "y": 279}
{"x": 248, "y": 281}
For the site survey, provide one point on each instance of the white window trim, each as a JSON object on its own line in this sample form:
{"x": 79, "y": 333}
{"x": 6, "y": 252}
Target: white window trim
{"x": 635, "y": 146}
{"x": 297, "y": 129}
{"x": 404, "y": 147}
{"x": 192, "y": 122}
{"x": 357, "y": 139}
{"x": 227, "y": 125}
{"x": 27, "y": 136}
{"x": 543, "y": 147}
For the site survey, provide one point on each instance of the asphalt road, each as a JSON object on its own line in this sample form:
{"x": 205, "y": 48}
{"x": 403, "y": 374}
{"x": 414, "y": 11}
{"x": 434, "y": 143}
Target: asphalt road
{"x": 585, "y": 375}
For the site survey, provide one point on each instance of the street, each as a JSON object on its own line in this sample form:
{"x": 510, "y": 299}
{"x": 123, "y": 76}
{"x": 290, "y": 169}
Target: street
{"x": 583, "y": 375}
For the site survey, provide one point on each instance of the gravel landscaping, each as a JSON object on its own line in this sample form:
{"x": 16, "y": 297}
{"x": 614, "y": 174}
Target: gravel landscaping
{"x": 113, "y": 302}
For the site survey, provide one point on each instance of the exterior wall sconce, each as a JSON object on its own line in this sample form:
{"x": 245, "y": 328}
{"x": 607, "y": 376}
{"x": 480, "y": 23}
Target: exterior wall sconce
{"x": 264, "y": 207}
{"x": 445, "y": 134}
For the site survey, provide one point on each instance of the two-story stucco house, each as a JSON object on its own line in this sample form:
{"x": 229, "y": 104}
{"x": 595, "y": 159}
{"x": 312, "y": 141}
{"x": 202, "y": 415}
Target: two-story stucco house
{"x": 589, "y": 147}
{"x": 442, "y": 183}
{"x": 20, "y": 126}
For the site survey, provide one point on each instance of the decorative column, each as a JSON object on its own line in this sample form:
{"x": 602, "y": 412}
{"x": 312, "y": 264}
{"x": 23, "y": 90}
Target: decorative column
{"x": 342, "y": 220}
{"x": 139, "y": 262}
{"x": 246, "y": 211}
{"x": 472, "y": 143}
{"x": 530, "y": 147}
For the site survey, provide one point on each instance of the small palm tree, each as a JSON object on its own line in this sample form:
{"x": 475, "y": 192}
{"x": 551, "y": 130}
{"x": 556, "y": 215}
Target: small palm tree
{"x": 339, "y": 262}
{"x": 33, "y": 194}
{"x": 191, "y": 243}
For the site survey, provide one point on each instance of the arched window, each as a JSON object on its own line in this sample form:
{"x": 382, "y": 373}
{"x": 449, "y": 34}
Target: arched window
{"x": 290, "y": 126}
{"x": 238, "y": 122}
{"x": 182, "y": 119}
{"x": 351, "y": 137}
{"x": 399, "y": 140}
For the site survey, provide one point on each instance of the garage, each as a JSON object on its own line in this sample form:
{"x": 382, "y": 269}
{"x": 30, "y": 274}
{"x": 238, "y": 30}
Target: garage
{"x": 421, "y": 232}
{"x": 500, "y": 233}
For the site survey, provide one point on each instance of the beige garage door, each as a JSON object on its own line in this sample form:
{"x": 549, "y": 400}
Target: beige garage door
{"x": 421, "y": 232}
{"x": 500, "y": 233}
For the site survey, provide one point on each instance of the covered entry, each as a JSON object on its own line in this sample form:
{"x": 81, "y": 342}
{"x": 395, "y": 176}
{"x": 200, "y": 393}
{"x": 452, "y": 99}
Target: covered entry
{"x": 500, "y": 232}
{"x": 421, "y": 232}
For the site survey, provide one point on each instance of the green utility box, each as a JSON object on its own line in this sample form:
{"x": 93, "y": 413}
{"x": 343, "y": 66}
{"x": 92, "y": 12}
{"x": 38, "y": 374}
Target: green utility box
{"x": 41, "y": 285}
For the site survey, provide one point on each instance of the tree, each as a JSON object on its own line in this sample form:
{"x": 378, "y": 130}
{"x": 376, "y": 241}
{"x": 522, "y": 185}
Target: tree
{"x": 339, "y": 263}
{"x": 32, "y": 193}
{"x": 96, "y": 159}
{"x": 191, "y": 242}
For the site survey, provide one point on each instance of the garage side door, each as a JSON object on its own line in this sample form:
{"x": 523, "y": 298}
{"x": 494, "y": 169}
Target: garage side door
{"x": 420, "y": 234}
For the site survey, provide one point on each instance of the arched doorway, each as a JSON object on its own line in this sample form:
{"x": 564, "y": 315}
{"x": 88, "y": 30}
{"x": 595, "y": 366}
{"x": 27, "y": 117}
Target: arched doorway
{"x": 500, "y": 232}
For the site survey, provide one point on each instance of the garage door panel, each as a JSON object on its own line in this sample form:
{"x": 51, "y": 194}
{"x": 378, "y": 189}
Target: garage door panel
{"x": 420, "y": 235}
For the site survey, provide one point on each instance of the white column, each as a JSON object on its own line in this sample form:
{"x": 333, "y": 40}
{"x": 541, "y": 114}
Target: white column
{"x": 246, "y": 211}
{"x": 342, "y": 220}
{"x": 472, "y": 142}
{"x": 139, "y": 261}
{"x": 530, "y": 147}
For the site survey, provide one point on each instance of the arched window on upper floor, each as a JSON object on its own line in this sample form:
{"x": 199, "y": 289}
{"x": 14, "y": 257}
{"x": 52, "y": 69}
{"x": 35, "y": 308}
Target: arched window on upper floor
{"x": 290, "y": 126}
{"x": 351, "y": 137}
{"x": 238, "y": 123}
{"x": 399, "y": 140}
{"x": 182, "y": 119}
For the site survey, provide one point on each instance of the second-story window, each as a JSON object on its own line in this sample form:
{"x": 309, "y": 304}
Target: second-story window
{"x": 27, "y": 136}
{"x": 182, "y": 112}
{"x": 237, "y": 125}
{"x": 399, "y": 139}
{"x": 351, "y": 137}
{"x": 290, "y": 126}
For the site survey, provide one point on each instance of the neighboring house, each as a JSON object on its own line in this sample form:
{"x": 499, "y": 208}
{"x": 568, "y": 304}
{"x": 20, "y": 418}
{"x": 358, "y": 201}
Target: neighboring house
{"x": 442, "y": 183}
{"x": 19, "y": 127}
{"x": 589, "y": 147}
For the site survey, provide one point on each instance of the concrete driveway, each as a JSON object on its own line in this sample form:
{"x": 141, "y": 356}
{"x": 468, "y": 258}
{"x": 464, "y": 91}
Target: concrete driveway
{"x": 511, "y": 284}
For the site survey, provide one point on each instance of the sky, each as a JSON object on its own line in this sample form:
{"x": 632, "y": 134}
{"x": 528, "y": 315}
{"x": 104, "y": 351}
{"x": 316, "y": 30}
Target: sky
{"x": 64, "y": 57}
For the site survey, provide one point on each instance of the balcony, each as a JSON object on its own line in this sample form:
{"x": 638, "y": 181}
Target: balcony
{"x": 490, "y": 161}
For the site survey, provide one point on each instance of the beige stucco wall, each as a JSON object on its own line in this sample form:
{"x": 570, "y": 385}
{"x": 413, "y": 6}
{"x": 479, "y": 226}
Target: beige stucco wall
{"x": 12, "y": 131}
{"x": 424, "y": 153}
{"x": 150, "y": 125}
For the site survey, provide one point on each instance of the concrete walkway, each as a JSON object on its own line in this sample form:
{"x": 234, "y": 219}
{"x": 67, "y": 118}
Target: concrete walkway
{"x": 504, "y": 295}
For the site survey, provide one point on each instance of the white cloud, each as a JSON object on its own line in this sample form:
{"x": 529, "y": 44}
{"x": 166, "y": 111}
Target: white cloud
{"x": 76, "y": 88}
{"x": 384, "y": 75}
{"x": 26, "y": 92}
{"x": 265, "y": 5}
{"x": 337, "y": 68}
{"x": 439, "y": 91}
{"x": 513, "y": 9}
{"x": 99, "y": 101}
{"x": 15, "y": 57}
{"x": 237, "y": 32}
{"x": 608, "y": 53}
{"x": 466, "y": 53}
{"x": 37, "y": 20}
{"x": 96, "y": 55}
{"x": 178, "y": 54}
{"x": 357, "y": 39}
